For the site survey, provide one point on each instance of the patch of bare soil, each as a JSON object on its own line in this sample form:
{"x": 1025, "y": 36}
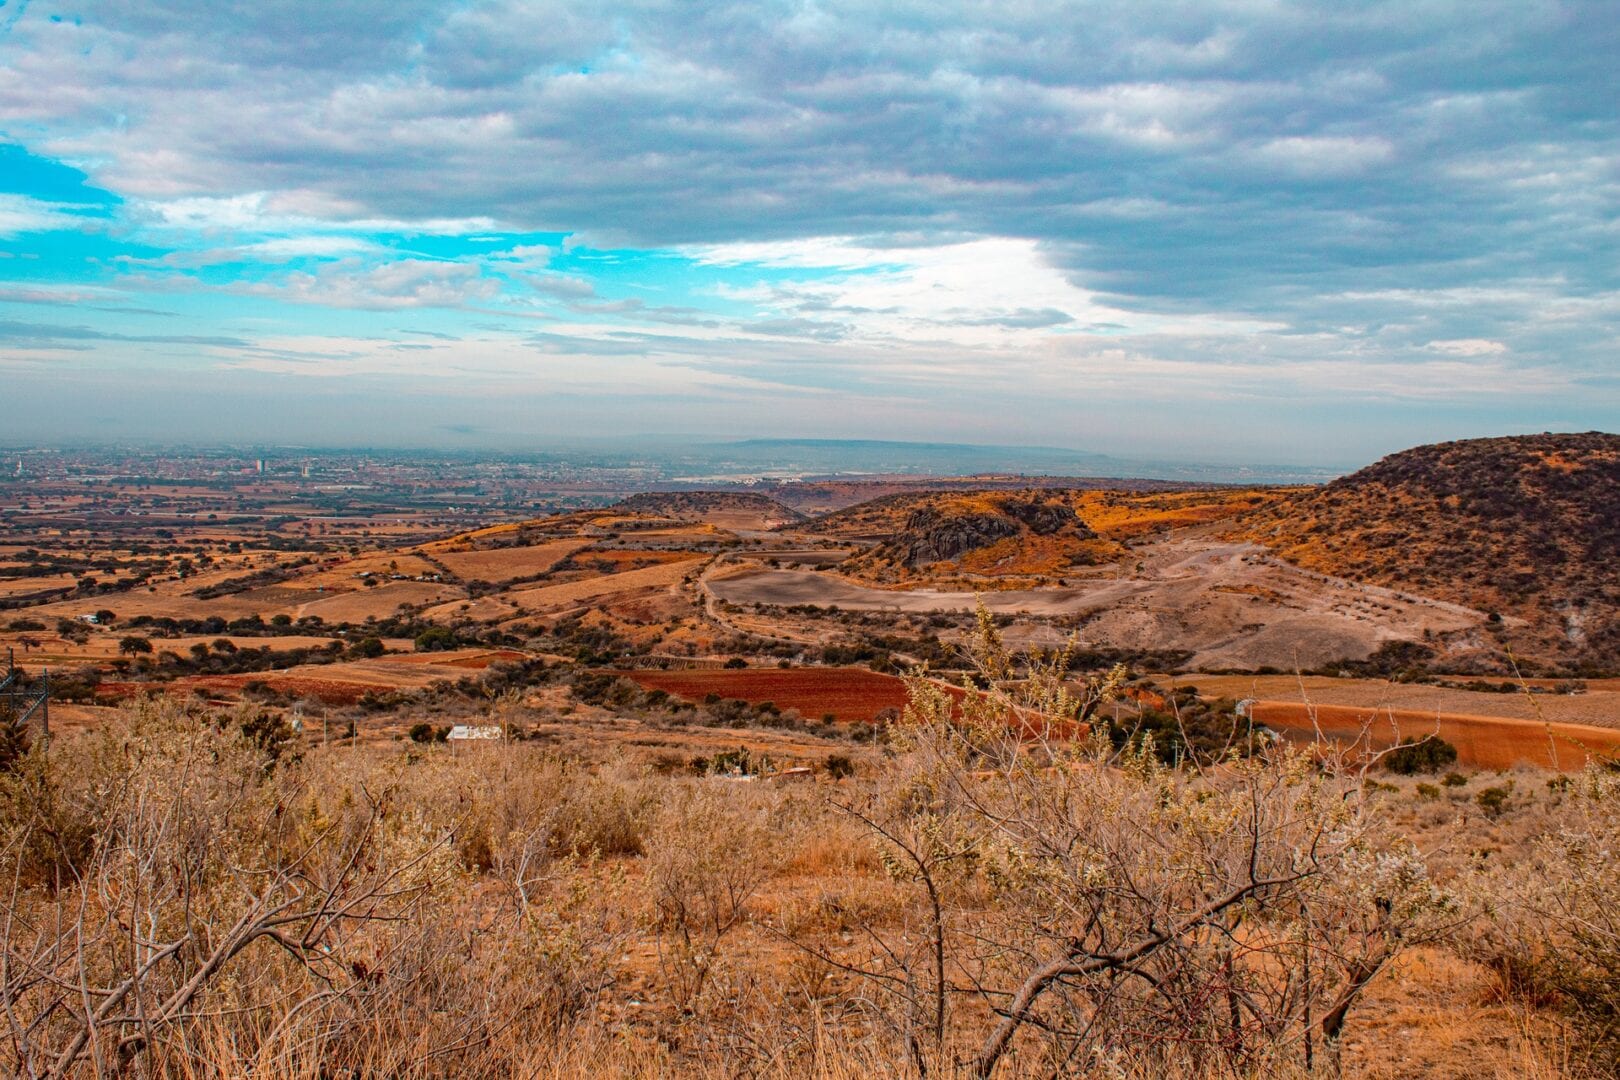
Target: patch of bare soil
{"x": 1231, "y": 604}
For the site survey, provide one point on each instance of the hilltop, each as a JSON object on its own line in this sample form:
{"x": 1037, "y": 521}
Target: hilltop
{"x": 1021, "y": 534}
{"x": 1525, "y": 527}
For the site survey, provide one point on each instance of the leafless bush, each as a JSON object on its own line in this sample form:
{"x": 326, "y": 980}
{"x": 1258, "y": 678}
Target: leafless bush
{"x": 1088, "y": 906}
{"x": 717, "y": 844}
{"x": 1554, "y": 931}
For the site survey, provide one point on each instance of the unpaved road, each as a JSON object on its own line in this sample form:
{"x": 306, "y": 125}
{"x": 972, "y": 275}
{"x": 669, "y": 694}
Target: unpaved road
{"x": 1231, "y": 604}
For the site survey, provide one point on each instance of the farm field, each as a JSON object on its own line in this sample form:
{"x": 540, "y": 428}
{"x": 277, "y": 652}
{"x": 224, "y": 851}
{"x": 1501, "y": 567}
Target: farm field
{"x": 53, "y": 649}
{"x": 29, "y": 585}
{"x": 849, "y": 694}
{"x": 1598, "y": 706}
{"x": 1482, "y": 742}
{"x": 548, "y": 597}
{"x": 340, "y": 683}
{"x": 506, "y": 563}
{"x": 375, "y": 603}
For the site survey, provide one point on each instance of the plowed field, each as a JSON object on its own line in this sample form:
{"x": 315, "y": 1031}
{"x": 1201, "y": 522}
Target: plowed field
{"x": 504, "y": 564}
{"x": 850, "y": 694}
{"x": 1482, "y": 742}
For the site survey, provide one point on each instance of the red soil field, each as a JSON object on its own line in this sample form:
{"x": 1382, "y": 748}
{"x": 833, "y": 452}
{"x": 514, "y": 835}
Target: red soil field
{"x": 850, "y": 694}
{"x": 1482, "y": 742}
{"x": 475, "y": 662}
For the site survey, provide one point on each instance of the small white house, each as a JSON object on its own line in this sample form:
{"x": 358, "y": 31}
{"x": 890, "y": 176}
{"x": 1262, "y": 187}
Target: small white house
{"x": 470, "y": 732}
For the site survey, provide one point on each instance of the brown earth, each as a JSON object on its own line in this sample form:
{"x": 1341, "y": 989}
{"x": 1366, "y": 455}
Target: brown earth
{"x": 1231, "y": 605}
{"x": 727, "y": 509}
{"x": 1482, "y": 742}
{"x": 1527, "y": 526}
{"x": 1597, "y": 706}
{"x": 849, "y": 694}
{"x": 506, "y": 563}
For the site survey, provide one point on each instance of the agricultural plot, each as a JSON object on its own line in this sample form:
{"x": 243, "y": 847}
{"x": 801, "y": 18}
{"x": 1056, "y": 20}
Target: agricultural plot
{"x": 849, "y": 694}
{"x": 347, "y": 573}
{"x": 1482, "y": 742}
{"x": 550, "y": 597}
{"x": 507, "y": 563}
{"x": 1598, "y": 706}
{"x": 378, "y": 603}
{"x": 342, "y": 683}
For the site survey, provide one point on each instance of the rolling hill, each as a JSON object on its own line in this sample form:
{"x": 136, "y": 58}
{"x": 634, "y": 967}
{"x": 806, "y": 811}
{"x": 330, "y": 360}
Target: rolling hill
{"x": 1019, "y": 536}
{"x": 1526, "y": 527}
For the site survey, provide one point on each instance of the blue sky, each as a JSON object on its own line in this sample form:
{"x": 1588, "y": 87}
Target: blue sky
{"x": 1246, "y": 231}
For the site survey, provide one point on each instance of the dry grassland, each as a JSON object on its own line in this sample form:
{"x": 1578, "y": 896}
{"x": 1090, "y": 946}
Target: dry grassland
{"x": 549, "y": 597}
{"x": 379, "y": 602}
{"x": 504, "y": 564}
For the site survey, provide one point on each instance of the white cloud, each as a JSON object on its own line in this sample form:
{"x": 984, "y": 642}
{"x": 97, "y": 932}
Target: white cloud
{"x": 980, "y": 292}
{"x": 1325, "y": 155}
{"x": 21, "y": 214}
{"x": 1468, "y": 347}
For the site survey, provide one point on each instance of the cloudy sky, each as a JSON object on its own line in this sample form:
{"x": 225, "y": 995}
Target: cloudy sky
{"x": 1246, "y": 231}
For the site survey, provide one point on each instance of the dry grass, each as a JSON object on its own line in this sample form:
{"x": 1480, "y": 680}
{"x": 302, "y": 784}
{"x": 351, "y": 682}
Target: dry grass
{"x": 506, "y": 910}
{"x": 550, "y": 597}
{"x": 379, "y": 602}
{"x": 506, "y": 563}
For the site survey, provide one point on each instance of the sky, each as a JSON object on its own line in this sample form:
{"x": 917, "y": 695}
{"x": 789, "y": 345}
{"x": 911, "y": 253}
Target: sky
{"x": 1254, "y": 230}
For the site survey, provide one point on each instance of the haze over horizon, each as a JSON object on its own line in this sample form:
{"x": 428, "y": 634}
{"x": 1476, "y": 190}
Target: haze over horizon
{"x": 1297, "y": 233}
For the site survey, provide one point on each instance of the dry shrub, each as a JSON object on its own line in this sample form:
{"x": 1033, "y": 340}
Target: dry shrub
{"x": 833, "y": 845}
{"x": 1082, "y": 907}
{"x": 502, "y": 910}
{"x": 175, "y": 901}
{"x": 1554, "y": 931}
{"x": 716, "y": 842}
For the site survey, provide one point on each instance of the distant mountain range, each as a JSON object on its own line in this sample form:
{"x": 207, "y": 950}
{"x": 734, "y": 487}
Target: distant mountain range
{"x": 826, "y": 457}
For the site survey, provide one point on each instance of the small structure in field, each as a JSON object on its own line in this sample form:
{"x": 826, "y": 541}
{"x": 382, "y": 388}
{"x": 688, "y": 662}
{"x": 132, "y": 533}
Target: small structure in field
{"x": 473, "y": 732}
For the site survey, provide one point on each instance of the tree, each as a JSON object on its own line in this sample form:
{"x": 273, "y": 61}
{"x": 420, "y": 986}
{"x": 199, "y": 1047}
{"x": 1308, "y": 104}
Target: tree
{"x": 436, "y": 639}
{"x": 135, "y": 645}
{"x": 368, "y": 648}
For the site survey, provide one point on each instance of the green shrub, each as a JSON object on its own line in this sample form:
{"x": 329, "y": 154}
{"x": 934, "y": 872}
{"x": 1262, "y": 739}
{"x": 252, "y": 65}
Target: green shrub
{"x": 368, "y": 648}
{"x": 1427, "y": 755}
{"x": 436, "y": 639}
{"x": 1493, "y": 800}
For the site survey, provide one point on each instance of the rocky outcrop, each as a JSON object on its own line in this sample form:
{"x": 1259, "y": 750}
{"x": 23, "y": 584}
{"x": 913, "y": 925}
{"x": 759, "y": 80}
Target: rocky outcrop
{"x": 932, "y": 535}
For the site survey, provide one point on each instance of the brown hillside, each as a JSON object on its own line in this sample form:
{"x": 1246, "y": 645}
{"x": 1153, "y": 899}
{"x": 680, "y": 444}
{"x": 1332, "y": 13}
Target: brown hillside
{"x": 1008, "y": 536}
{"x": 1527, "y": 526}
